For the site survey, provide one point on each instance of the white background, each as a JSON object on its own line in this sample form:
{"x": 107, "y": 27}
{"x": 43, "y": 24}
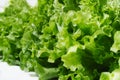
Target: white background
{"x": 8, "y": 72}
{"x": 5, "y": 3}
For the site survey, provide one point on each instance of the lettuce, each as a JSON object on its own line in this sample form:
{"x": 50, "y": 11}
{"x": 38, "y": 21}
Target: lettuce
{"x": 115, "y": 75}
{"x": 63, "y": 39}
{"x": 116, "y": 45}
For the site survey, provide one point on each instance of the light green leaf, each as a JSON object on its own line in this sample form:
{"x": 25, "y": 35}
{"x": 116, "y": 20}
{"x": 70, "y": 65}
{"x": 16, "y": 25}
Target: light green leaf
{"x": 116, "y": 45}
